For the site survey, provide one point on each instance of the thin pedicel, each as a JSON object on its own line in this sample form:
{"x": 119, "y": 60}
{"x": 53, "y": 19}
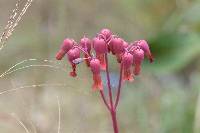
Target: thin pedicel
{"x": 129, "y": 55}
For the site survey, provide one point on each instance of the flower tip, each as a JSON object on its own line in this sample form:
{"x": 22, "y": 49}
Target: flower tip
{"x": 106, "y": 33}
{"x": 130, "y": 79}
{"x": 96, "y": 87}
{"x": 67, "y": 44}
{"x": 60, "y": 55}
{"x": 137, "y": 71}
{"x": 151, "y": 59}
{"x": 87, "y": 62}
{"x": 73, "y": 74}
{"x": 103, "y": 66}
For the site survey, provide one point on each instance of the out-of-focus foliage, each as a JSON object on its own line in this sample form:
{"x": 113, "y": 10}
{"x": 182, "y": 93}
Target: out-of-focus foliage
{"x": 164, "y": 98}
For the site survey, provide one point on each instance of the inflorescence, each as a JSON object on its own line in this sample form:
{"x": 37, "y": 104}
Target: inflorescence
{"x": 129, "y": 55}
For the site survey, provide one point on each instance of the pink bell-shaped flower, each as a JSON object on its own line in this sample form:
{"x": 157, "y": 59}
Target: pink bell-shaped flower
{"x": 117, "y": 47}
{"x": 127, "y": 60}
{"x": 86, "y": 44}
{"x": 72, "y": 55}
{"x": 95, "y": 68}
{"x": 125, "y": 44}
{"x": 100, "y": 48}
{"x": 65, "y": 47}
{"x": 106, "y": 34}
{"x": 145, "y": 47}
{"x": 138, "y": 57}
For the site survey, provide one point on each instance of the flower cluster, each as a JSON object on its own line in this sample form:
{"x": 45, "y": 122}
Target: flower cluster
{"x": 129, "y": 55}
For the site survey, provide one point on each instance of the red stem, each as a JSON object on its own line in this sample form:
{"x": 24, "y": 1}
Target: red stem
{"x": 108, "y": 82}
{"x": 119, "y": 86}
{"x": 104, "y": 99}
{"x": 114, "y": 120}
{"x": 112, "y": 109}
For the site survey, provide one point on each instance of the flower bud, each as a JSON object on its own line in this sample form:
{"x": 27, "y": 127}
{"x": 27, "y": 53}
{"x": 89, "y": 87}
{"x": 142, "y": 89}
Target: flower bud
{"x": 65, "y": 47}
{"x": 125, "y": 44}
{"x": 145, "y": 47}
{"x": 95, "y": 68}
{"x": 60, "y": 54}
{"x": 138, "y": 57}
{"x": 106, "y": 33}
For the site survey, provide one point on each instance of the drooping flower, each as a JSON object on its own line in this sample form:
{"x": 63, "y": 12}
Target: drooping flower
{"x": 86, "y": 45}
{"x": 117, "y": 47}
{"x": 72, "y": 55}
{"x": 106, "y": 34}
{"x": 65, "y": 47}
{"x": 132, "y": 49}
{"x": 145, "y": 47}
{"x": 125, "y": 44}
{"x": 95, "y": 68}
{"x": 100, "y": 48}
{"x": 127, "y": 61}
{"x": 138, "y": 57}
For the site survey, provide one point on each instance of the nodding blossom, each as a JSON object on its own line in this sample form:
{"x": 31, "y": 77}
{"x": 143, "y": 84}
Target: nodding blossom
{"x": 72, "y": 55}
{"x": 129, "y": 55}
{"x": 86, "y": 44}
{"x": 105, "y": 34}
{"x": 145, "y": 47}
{"x": 117, "y": 47}
{"x": 65, "y": 47}
{"x": 96, "y": 68}
{"x": 125, "y": 44}
{"x": 100, "y": 48}
{"x": 138, "y": 57}
{"x": 127, "y": 61}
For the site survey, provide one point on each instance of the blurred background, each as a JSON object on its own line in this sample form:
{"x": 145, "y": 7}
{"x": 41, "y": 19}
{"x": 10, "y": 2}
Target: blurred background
{"x": 165, "y": 98}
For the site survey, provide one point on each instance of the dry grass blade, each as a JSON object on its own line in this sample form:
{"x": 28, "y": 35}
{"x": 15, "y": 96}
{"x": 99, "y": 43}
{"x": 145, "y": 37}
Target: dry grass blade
{"x": 20, "y": 123}
{"x": 13, "y": 21}
{"x": 24, "y": 67}
{"x": 31, "y": 86}
{"x": 43, "y": 85}
{"x": 59, "y": 114}
{"x": 11, "y": 69}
